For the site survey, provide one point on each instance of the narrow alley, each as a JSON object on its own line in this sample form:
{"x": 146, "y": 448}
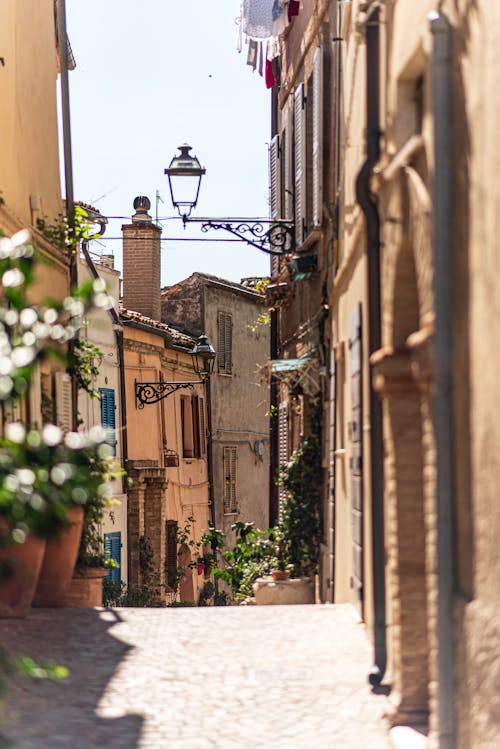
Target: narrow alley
{"x": 287, "y": 677}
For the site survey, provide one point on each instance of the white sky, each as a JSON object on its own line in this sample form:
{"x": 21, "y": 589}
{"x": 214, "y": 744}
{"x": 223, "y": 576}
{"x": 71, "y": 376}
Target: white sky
{"x": 151, "y": 75}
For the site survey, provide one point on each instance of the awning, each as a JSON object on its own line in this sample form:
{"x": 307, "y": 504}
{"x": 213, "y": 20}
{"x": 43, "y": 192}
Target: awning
{"x": 289, "y": 365}
{"x": 303, "y": 372}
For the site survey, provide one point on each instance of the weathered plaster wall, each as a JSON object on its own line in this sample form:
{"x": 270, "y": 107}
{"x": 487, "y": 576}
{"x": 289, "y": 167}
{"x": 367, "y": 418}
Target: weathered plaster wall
{"x": 175, "y": 493}
{"x": 29, "y": 158}
{"x": 240, "y": 402}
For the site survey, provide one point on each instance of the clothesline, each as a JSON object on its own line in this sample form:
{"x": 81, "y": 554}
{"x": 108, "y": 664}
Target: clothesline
{"x": 261, "y": 23}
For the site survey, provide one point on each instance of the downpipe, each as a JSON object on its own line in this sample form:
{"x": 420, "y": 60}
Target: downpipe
{"x": 369, "y": 206}
{"x": 442, "y": 352}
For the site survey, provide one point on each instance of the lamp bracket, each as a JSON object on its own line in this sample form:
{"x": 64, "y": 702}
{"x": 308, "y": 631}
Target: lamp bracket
{"x": 153, "y": 392}
{"x": 275, "y": 237}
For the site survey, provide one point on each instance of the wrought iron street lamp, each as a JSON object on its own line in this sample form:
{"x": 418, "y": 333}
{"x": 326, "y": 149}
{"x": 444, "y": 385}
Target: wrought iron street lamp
{"x": 203, "y": 356}
{"x": 273, "y": 236}
{"x": 184, "y": 178}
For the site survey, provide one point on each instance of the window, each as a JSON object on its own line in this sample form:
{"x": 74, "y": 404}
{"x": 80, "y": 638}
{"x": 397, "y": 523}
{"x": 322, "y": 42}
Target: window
{"x": 317, "y": 139}
{"x": 282, "y": 446}
{"x": 64, "y": 409}
{"x": 171, "y": 553}
{"x": 113, "y": 550}
{"x": 108, "y": 420}
{"x": 300, "y": 151}
{"x": 194, "y": 436}
{"x": 230, "y": 459}
{"x": 225, "y": 343}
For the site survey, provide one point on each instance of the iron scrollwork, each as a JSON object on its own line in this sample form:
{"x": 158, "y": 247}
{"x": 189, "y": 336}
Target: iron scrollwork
{"x": 153, "y": 392}
{"x": 273, "y": 237}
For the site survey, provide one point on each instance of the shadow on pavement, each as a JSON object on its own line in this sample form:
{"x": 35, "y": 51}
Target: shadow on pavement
{"x": 50, "y": 715}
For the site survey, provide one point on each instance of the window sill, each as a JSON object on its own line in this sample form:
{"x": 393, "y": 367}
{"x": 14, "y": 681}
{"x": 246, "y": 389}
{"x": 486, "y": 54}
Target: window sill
{"x": 233, "y": 512}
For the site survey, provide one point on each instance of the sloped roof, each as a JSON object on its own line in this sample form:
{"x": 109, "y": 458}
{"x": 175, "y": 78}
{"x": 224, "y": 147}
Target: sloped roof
{"x": 172, "y": 335}
{"x": 216, "y": 281}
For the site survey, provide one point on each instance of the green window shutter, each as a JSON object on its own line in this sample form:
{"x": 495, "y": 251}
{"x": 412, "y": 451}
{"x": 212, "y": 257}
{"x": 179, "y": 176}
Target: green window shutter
{"x": 108, "y": 415}
{"x": 113, "y": 550}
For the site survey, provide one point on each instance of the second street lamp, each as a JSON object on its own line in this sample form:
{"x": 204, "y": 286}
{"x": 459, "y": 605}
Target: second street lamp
{"x": 203, "y": 356}
{"x": 273, "y": 236}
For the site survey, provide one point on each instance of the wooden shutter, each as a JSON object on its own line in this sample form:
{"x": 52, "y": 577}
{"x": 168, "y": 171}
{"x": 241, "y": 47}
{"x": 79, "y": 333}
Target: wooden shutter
{"x": 113, "y": 550}
{"x": 275, "y": 177}
{"x": 63, "y": 401}
{"x": 108, "y": 415}
{"x": 288, "y": 165}
{"x": 202, "y": 428}
{"x": 171, "y": 553}
{"x": 230, "y": 460}
{"x": 300, "y": 163}
{"x": 282, "y": 446}
{"x": 187, "y": 427}
{"x": 221, "y": 348}
{"x": 317, "y": 134}
{"x": 229, "y": 344}
{"x": 225, "y": 342}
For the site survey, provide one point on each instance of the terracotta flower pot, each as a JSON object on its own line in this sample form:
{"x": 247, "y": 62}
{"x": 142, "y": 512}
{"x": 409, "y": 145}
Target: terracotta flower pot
{"x": 16, "y": 593}
{"x": 59, "y": 562}
{"x": 86, "y": 591}
{"x": 280, "y": 574}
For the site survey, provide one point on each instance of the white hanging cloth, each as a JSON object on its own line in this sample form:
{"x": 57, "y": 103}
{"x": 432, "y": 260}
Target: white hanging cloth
{"x": 259, "y": 18}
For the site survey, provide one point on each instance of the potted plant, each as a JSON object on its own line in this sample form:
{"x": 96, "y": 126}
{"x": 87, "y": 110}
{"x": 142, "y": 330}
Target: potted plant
{"x": 92, "y": 564}
{"x": 281, "y": 571}
{"x": 40, "y": 474}
{"x": 86, "y": 469}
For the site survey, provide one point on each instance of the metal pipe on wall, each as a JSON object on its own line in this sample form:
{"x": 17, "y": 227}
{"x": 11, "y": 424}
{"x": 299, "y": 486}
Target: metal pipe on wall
{"x": 442, "y": 353}
{"x": 369, "y": 207}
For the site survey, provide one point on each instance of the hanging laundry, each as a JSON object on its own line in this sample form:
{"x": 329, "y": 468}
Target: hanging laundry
{"x": 258, "y": 18}
{"x": 253, "y": 51}
{"x": 293, "y": 9}
{"x": 239, "y": 23}
{"x": 277, "y": 9}
{"x": 270, "y": 79}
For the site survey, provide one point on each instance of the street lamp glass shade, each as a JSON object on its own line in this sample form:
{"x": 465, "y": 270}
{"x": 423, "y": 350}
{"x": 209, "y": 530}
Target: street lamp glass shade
{"x": 203, "y": 355}
{"x": 184, "y": 179}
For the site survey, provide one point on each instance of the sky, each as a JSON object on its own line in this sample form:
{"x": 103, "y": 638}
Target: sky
{"x": 151, "y": 75}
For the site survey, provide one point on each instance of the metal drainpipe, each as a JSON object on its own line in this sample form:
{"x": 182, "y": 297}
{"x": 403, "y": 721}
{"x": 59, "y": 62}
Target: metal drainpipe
{"x": 442, "y": 257}
{"x": 369, "y": 207}
{"x": 68, "y": 177}
{"x": 210, "y": 445}
{"x": 273, "y": 386}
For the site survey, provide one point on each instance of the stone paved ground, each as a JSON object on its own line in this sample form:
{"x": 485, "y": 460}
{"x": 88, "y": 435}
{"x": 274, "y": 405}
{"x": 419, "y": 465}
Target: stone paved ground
{"x": 273, "y": 677}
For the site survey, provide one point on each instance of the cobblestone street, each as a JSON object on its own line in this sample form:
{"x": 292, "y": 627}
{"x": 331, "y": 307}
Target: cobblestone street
{"x": 289, "y": 677}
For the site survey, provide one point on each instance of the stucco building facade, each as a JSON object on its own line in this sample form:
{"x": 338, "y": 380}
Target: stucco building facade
{"x": 166, "y": 439}
{"x": 238, "y": 397}
{"x": 406, "y": 257}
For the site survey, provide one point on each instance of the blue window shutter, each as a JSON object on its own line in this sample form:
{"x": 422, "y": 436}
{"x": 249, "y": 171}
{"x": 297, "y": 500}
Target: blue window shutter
{"x": 108, "y": 418}
{"x": 113, "y": 550}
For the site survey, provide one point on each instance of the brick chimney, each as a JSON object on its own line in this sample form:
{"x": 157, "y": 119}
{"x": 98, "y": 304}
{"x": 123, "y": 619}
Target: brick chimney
{"x": 141, "y": 262}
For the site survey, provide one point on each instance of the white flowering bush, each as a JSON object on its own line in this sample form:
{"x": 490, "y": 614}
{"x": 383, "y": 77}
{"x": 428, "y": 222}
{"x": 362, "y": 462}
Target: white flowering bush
{"x": 43, "y": 472}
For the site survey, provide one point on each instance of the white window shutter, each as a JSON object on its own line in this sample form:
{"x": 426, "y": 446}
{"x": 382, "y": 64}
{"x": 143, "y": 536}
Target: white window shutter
{"x": 300, "y": 164}
{"x": 63, "y": 401}
{"x": 288, "y": 157}
{"x": 282, "y": 447}
{"x": 275, "y": 177}
{"x": 317, "y": 165}
{"x": 35, "y": 398}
